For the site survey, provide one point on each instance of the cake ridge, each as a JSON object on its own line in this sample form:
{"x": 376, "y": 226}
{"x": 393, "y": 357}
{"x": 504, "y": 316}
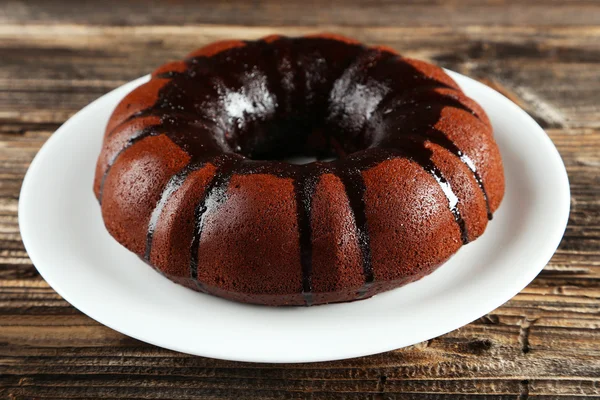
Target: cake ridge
{"x": 152, "y": 111}
{"x": 214, "y": 195}
{"x": 422, "y": 155}
{"x": 174, "y": 183}
{"x": 134, "y": 138}
{"x": 441, "y": 139}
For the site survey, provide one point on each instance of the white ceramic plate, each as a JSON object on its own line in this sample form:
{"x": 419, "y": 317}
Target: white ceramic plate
{"x": 64, "y": 235}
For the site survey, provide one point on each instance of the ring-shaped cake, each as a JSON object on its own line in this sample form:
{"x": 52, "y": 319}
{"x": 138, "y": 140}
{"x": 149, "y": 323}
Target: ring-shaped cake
{"x": 192, "y": 175}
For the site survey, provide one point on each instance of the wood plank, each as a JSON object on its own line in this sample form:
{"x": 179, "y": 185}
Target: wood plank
{"x": 309, "y": 12}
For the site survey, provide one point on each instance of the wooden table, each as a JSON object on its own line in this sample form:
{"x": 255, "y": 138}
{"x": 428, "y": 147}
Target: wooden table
{"x": 55, "y": 57}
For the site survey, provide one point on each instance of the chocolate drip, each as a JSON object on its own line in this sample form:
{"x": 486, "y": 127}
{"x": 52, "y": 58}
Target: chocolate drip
{"x": 304, "y": 188}
{"x": 355, "y": 188}
{"x": 424, "y": 126}
{"x": 215, "y": 195}
{"x": 422, "y": 155}
{"x": 171, "y": 187}
{"x": 163, "y": 114}
{"x": 440, "y": 138}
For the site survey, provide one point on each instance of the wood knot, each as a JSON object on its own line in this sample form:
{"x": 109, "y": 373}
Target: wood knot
{"x": 479, "y": 346}
{"x": 524, "y": 331}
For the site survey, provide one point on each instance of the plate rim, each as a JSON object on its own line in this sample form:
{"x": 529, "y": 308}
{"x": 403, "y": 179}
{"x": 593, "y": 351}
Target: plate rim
{"x": 563, "y": 196}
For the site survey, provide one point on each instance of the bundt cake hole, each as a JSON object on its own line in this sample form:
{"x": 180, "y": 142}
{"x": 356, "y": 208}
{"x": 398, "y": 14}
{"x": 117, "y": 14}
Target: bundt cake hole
{"x": 295, "y": 140}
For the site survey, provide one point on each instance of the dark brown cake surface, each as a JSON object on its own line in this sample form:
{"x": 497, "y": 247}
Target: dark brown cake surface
{"x": 191, "y": 176}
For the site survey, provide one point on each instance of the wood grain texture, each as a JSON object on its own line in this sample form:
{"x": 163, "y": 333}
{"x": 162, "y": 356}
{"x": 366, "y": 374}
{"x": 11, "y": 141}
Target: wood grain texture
{"x": 55, "y": 57}
{"x": 359, "y": 13}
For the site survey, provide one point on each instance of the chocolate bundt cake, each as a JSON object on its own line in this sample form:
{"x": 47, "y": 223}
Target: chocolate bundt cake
{"x": 192, "y": 176}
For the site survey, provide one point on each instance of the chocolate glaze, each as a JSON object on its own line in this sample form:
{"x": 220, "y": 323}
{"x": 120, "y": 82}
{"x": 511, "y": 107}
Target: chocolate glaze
{"x": 172, "y": 186}
{"x": 214, "y": 196}
{"x": 270, "y": 100}
{"x": 423, "y": 126}
{"x": 355, "y": 188}
{"x": 304, "y": 188}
